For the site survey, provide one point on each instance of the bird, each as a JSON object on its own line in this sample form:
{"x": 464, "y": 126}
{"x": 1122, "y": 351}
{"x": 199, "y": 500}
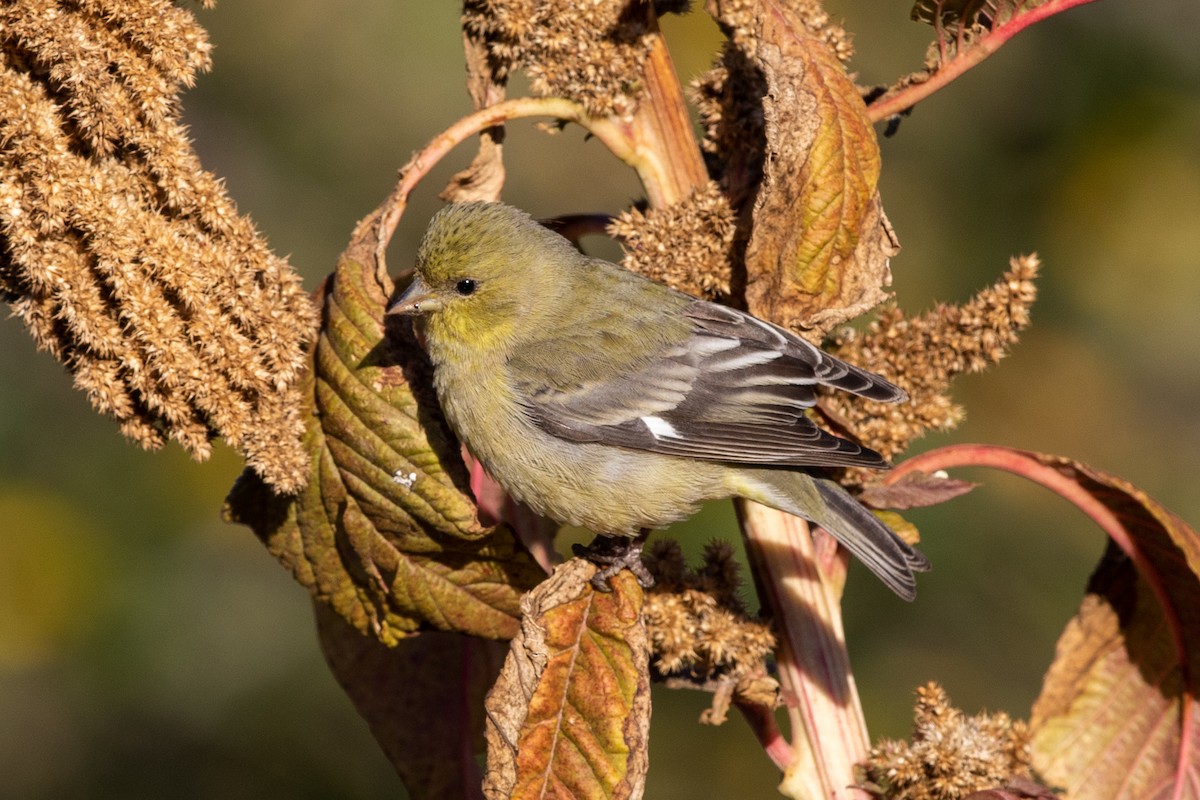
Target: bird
{"x": 605, "y": 400}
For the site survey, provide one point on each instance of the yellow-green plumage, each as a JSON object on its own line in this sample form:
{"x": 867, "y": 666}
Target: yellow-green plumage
{"x": 605, "y": 400}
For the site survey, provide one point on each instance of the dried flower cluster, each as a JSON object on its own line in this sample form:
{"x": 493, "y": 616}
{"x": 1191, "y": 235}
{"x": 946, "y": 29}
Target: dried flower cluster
{"x": 951, "y": 755}
{"x": 698, "y": 625}
{"x": 124, "y": 258}
{"x": 687, "y": 246}
{"x": 958, "y": 26}
{"x": 590, "y": 52}
{"x": 924, "y": 353}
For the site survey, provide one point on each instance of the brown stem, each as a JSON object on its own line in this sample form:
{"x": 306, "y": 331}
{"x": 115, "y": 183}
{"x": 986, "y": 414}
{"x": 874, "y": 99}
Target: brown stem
{"x": 670, "y": 164}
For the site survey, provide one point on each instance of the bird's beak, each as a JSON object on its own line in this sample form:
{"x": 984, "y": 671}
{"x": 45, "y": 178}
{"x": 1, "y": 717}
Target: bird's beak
{"x": 417, "y": 299}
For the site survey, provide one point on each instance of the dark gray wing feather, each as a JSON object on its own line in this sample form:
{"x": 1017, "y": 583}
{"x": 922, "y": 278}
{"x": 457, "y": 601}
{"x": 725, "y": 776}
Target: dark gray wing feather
{"x": 734, "y": 390}
{"x": 866, "y": 537}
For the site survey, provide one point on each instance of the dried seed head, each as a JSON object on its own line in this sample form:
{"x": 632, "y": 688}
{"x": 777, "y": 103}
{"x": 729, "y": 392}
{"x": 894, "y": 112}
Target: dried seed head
{"x": 950, "y": 755}
{"x": 699, "y": 628}
{"x": 590, "y": 52}
{"x": 924, "y": 353}
{"x": 688, "y": 246}
{"x": 736, "y": 18}
{"x": 125, "y": 259}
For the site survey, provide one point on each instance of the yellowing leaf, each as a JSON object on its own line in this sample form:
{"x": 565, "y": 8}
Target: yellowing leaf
{"x": 570, "y": 714}
{"x": 386, "y": 531}
{"x": 818, "y": 253}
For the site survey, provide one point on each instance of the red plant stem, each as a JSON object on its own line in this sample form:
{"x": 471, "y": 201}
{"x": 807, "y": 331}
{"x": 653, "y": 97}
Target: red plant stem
{"x": 762, "y": 722}
{"x": 1028, "y": 466}
{"x": 908, "y": 96}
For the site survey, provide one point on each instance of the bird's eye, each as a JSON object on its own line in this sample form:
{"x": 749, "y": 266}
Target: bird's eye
{"x": 465, "y": 287}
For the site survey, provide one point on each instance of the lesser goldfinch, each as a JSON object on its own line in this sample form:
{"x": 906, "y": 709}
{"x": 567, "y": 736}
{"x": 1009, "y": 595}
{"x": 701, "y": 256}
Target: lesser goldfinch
{"x": 605, "y": 400}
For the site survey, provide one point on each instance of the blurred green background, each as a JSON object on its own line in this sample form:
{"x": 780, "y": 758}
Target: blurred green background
{"x": 148, "y": 650}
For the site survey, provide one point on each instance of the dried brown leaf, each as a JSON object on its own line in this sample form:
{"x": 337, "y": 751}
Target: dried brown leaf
{"x": 818, "y": 252}
{"x": 1018, "y": 789}
{"x": 484, "y": 178}
{"x": 423, "y": 700}
{"x": 570, "y": 714}
{"x": 914, "y": 490}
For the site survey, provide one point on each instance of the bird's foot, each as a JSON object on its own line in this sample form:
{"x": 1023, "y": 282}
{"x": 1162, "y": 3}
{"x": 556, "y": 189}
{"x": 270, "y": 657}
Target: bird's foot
{"x": 611, "y": 554}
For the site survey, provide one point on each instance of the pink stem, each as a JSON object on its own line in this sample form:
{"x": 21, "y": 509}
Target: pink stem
{"x": 907, "y": 97}
{"x": 762, "y": 722}
{"x": 422, "y": 162}
{"x": 827, "y": 728}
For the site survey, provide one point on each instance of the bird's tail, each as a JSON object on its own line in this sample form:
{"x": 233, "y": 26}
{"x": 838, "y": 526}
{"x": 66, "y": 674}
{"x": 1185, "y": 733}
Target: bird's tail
{"x": 824, "y": 502}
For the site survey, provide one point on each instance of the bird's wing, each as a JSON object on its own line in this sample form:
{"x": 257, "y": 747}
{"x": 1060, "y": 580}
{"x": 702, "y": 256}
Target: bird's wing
{"x": 733, "y": 389}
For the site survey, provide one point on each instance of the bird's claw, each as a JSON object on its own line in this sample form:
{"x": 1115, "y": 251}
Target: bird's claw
{"x": 611, "y": 554}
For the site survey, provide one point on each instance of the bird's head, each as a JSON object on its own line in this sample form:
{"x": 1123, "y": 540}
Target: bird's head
{"x": 483, "y": 271}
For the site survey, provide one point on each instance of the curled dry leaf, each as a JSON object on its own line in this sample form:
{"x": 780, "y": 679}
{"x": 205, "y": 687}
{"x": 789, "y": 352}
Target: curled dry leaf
{"x": 818, "y": 253}
{"x": 386, "y": 532}
{"x": 1016, "y": 789}
{"x": 484, "y": 178}
{"x": 570, "y": 714}
{"x": 914, "y": 490}
{"x": 1117, "y": 715}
